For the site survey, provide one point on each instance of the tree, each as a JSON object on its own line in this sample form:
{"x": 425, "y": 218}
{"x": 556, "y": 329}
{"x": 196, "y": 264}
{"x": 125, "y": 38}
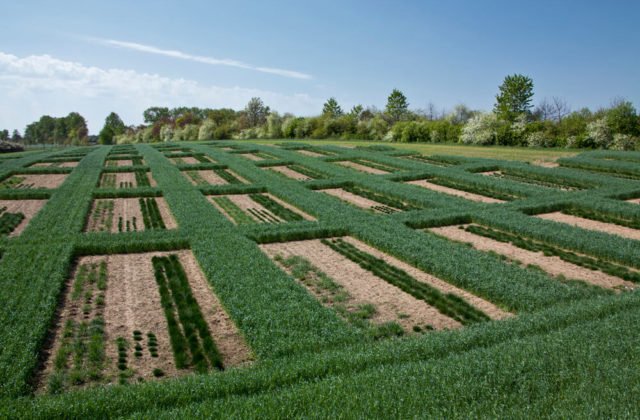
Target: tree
{"x": 514, "y": 98}
{"x": 256, "y": 112}
{"x": 154, "y": 114}
{"x": 331, "y": 108}
{"x": 397, "y": 106}
{"x": 4, "y": 135}
{"x": 16, "y": 137}
{"x": 622, "y": 118}
{"x": 356, "y": 111}
{"x": 113, "y": 126}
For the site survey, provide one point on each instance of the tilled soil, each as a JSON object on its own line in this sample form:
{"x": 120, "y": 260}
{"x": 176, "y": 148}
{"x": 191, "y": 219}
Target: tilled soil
{"x": 589, "y": 224}
{"x": 27, "y": 207}
{"x": 361, "y": 168}
{"x": 452, "y": 191}
{"x": 354, "y": 199}
{"x": 42, "y": 180}
{"x": 310, "y": 153}
{"x": 290, "y": 173}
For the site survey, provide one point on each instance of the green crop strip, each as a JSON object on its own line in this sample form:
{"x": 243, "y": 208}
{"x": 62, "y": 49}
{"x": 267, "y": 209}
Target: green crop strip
{"x": 9, "y": 221}
{"x": 307, "y": 171}
{"x": 142, "y": 180}
{"x": 235, "y": 212}
{"x": 477, "y": 189}
{"x": 276, "y": 208}
{"x": 189, "y": 334}
{"x": 380, "y": 198}
{"x": 607, "y": 218}
{"x": 570, "y": 257}
{"x": 448, "y": 304}
{"x": 151, "y": 214}
{"x": 228, "y": 176}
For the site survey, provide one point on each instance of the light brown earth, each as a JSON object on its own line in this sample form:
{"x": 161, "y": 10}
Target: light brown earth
{"x": 392, "y": 304}
{"x": 354, "y": 199}
{"x": 132, "y": 302}
{"x": 310, "y": 153}
{"x": 290, "y": 173}
{"x": 243, "y": 180}
{"x": 27, "y": 207}
{"x": 490, "y": 173}
{"x": 244, "y": 202}
{"x": 41, "y": 165}
{"x": 210, "y": 176}
{"x": 551, "y": 264}
{"x": 634, "y": 200}
{"x": 42, "y": 180}
{"x": 189, "y": 160}
{"x": 228, "y": 149}
{"x": 128, "y": 209}
{"x": 545, "y": 163}
{"x": 124, "y": 162}
{"x": 361, "y": 168}
{"x": 165, "y": 212}
{"x": 70, "y": 164}
{"x": 452, "y": 191}
{"x": 592, "y": 224}
{"x": 252, "y": 156}
{"x": 294, "y": 209}
{"x": 491, "y": 310}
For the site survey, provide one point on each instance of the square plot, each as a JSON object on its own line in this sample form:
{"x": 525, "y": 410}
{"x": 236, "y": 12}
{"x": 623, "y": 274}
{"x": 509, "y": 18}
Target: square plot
{"x": 123, "y": 308}
{"x": 15, "y": 215}
{"x": 257, "y": 208}
{"x": 191, "y": 160}
{"x": 127, "y": 179}
{"x": 28, "y": 181}
{"x": 129, "y": 215}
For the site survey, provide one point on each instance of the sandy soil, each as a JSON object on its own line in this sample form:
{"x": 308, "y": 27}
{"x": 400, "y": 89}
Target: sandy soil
{"x": 210, "y": 176}
{"x": 127, "y": 162}
{"x": 485, "y": 306}
{"x": 592, "y": 224}
{"x": 165, "y": 212}
{"x": 125, "y": 177}
{"x": 304, "y": 215}
{"x": 228, "y": 149}
{"x": 189, "y": 160}
{"x": 545, "y": 163}
{"x": 458, "y": 193}
{"x": 552, "y": 265}
{"x": 392, "y": 304}
{"x": 27, "y": 207}
{"x": 41, "y": 165}
{"x": 290, "y": 173}
{"x": 490, "y": 173}
{"x": 245, "y": 203}
{"x": 310, "y": 153}
{"x": 252, "y": 156}
{"x": 354, "y": 199}
{"x": 228, "y": 339}
{"x": 634, "y": 200}
{"x": 132, "y": 302}
{"x": 42, "y": 181}
{"x": 127, "y": 208}
{"x": 71, "y": 164}
{"x": 361, "y": 168}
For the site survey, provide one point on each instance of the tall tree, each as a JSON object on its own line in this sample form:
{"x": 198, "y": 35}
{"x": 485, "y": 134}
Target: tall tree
{"x": 514, "y": 98}
{"x": 397, "y": 106}
{"x": 4, "y": 135}
{"x": 16, "y": 137}
{"x": 113, "y": 126}
{"x": 256, "y": 112}
{"x": 154, "y": 114}
{"x": 331, "y": 108}
{"x": 622, "y": 118}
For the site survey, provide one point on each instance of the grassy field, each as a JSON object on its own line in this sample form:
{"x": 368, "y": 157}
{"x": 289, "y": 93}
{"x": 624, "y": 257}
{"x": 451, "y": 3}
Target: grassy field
{"x": 244, "y": 279}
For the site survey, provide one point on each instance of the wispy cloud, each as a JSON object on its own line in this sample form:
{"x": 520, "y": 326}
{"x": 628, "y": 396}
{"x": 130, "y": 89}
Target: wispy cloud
{"x": 150, "y": 49}
{"x": 36, "y": 85}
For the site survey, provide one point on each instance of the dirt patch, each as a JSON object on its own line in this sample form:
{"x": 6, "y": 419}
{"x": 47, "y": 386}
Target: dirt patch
{"x": 354, "y": 199}
{"x": 27, "y": 207}
{"x": 290, "y": 173}
{"x": 592, "y": 224}
{"x": 310, "y": 153}
{"x": 294, "y": 209}
{"x": 70, "y": 164}
{"x": 132, "y": 303}
{"x": 545, "y": 163}
{"x": 124, "y": 215}
{"x": 120, "y": 162}
{"x": 361, "y": 168}
{"x": 252, "y": 156}
{"x": 125, "y": 178}
{"x": 243, "y": 180}
{"x": 189, "y": 160}
{"x": 209, "y": 176}
{"x": 391, "y": 303}
{"x": 452, "y": 191}
{"x": 490, "y": 173}
{"x": 246, "y": 203}
{"x": 165, "y": 212}
{"x": 485, "y": 306}
{"x": 634, "y": 200}
{"x": 41, "y": 181}
{"x": 41, "y": 165}
{"x": 550, "y": 264}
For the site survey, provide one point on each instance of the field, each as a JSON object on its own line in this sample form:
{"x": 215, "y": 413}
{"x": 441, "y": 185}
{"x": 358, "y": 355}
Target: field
{"x": 238, "y": 279}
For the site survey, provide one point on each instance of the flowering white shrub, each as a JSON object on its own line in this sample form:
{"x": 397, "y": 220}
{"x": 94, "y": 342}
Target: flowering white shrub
{"x": 624, "y": 142}
{"x": 481, "y": 129}
{"x": 207, "y": 129}
{"x": 166, "y": 133}
{"x": 538, "y": 139}
{"x": 600, "y": 133}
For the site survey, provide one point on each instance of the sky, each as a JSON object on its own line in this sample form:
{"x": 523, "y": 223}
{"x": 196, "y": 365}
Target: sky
{"x": 95, "y": 57}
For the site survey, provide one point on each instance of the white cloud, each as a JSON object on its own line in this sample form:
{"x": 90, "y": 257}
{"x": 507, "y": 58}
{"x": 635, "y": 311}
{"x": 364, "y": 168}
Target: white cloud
{"x": 200, "y": 59}
{"x": 40, "y": 84}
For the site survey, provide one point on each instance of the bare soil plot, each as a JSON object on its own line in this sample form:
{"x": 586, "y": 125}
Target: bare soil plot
{"x": 252, "y": 211}
{"x": 124, "y": 215}
{"x": 634, "y": 200}
{"x": 490, "y": 173}
{"x": 290, "y": 173}
{"x": 35, "y": 181}
{"x": 41, "y": 165}
{"x": 310, "y": 153}
{"x": 123, "y": 180}
{"x": 552, "y": 265}
{"x": 128, "y": 302}
{"x": 189, "y": 160}
{"x": 208, "y": 176}
{"x": 361, "y": 168}
{"x": 391, "y": 303}
{"x": 29, "y": 208}
{"x": 358, "y": 201}
{"x": 589, "y": 224}
{"x": 452, "y": 191}
{"x": 69, "y": 164}
{"x": 545, "y": 163}
{"x": 252, "y": 156}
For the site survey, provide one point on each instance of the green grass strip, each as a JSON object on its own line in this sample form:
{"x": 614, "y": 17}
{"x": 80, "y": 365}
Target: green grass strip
{"x": 276, "y": 208}
{"x": 235, "y": 212}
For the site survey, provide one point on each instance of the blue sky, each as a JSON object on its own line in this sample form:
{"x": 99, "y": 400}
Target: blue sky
{"x": 94, "y": 57}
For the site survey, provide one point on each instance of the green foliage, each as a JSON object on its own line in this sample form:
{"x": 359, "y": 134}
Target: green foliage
{"x": 331, "y": 108}
{"x": 514, "y": 98}
{"x": 397, "y": 106}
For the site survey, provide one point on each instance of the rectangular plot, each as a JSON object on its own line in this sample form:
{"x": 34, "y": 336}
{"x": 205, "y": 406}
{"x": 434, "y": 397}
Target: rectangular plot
{"x": 127, "y": 180}
{"x": 114, "y": 308}
{"x": 252, "y": 208}
{"x": 362, "y": 167}
{"x": 310, "y": 153}
{"x": 589, "y": 224}
{"x": 27, "y": 181}
{"x": 553, "y": 265}
{"x": 289, "y": 172}
{"x": 15, "y": 215}
{"x": 452, "y": 191}
{"x": 530, "y": 181}
{"x": 129, "y": 215}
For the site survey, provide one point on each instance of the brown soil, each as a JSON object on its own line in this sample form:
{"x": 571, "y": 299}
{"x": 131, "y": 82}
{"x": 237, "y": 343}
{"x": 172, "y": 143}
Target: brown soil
{"x": 545, "y": 163}
{"x": 127, "y": 162}
{"x": 125, "y": 177}
{"x": 361, "y": 168}
{"x": 210, "y": 176}
{"x": 485, "y": 306}
{"x": 243, "y": 180}
{"x": 27, "y": 207}
{"x": 634, "y": 200}
{"x": 245, "y": 203}
{"x": 228, "y": 149}
{"x": 304, "y": 215}
{"x": 41, "y": 165}
{"x": 165, "y": 212}
{"x": 132, "y": 302}
{"x": 392, "y": 304}
{"x": 310, "y": 153}
{"x": 71, "y": 164}
{"x": 128, "y": 209}
{"x": 552, "y": 265}
{"x": 490, "y": 173}
{"x": 290, "y": 173}
{"x": 189, "y": 160}
{"x": 354, "y": 199}
{"x": 252, "y": 156}
{"x": 592, "y": 224}
{"x": 452, "y": 191}
{"x": 42, "y": 181}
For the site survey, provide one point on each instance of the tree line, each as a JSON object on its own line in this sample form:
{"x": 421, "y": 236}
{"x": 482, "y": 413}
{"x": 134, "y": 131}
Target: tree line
{"x": 514, "y": 121}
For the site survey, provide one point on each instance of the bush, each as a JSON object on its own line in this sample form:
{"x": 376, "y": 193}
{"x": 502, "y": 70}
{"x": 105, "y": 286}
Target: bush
{"x": 625, "y": 142}
{"x": 481, "y": 129}
{"x": 600, "y": 134}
